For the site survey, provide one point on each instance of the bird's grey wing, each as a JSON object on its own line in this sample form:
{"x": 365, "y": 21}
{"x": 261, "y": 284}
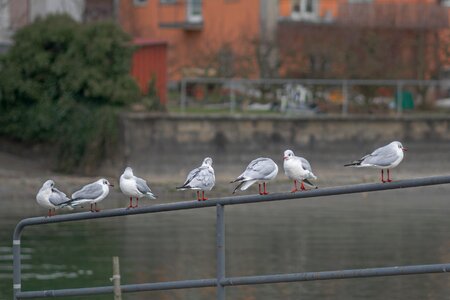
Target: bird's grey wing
{"x": 259, "y": 168}
{"x": 383, "y": 156}
{"x": 305, "y": 164}
{"x": 57, "y": 197}
{"x": 90, "y": 191}
{"x": 192, "y": 174}
{"x": 203, "y": 178}
{"x": 142, "y": 186}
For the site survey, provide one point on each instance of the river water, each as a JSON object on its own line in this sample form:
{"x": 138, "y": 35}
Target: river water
{"x": 376, "y": 229}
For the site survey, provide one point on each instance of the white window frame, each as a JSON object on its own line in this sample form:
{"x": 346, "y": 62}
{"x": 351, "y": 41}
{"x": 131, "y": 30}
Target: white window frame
{"x": 303, "y": 14}
{"x": 140, "y": 2}
{"x": 191, "y": 15}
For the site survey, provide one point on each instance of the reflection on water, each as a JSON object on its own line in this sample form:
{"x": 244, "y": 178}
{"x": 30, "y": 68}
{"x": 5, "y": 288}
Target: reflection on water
{"x": 353, "y": 231}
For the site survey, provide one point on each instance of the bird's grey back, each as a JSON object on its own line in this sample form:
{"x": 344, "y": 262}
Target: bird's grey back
{"x": 90, "y": 191}
{"x": 57, "y": 197}
{"x": 260, "y": 168}
{"x": 305, "y": 164}
{"x": 383, "y": 156}
{"x": 142, "y": 186}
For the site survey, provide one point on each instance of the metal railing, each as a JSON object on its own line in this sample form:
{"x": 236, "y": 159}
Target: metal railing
{"x": 235, "y": 85}
{"x": 221, "y": 281}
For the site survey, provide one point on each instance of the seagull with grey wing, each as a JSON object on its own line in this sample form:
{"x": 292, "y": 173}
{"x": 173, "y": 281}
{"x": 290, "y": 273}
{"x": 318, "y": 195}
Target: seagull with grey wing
{"x": 259, "y": 170}
{"x": 91, "y": 194}
{"x": 200, "y": 179}
{"x": 133, "y": 186}
{"x": 387, "y": 157}
{"x": 51, "y": 198}
{"x": 298, "y": 169}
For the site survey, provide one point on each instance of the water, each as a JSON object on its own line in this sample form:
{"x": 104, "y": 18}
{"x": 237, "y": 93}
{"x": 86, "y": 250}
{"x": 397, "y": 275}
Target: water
{"x": 352, "y": 231}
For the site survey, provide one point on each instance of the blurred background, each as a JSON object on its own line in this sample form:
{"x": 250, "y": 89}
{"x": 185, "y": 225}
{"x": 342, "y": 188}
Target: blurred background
{"x": 88, "y": 87}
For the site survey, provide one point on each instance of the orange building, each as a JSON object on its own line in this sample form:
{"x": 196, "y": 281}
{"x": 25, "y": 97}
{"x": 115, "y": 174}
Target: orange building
{"x": 205, "y": 38}
{"x": 252, "y": 38}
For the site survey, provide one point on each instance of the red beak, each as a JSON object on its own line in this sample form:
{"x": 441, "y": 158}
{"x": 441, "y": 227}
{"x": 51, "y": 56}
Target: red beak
{"x": 405, "y": 149}
{"x": 285, "y": 157}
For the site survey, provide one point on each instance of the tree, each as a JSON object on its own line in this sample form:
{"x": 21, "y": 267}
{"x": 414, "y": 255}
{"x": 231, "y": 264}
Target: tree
{"x": 62, "y": 82}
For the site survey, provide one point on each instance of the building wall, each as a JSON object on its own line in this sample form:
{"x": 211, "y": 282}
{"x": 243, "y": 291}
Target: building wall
{"x": 233, "y": 23}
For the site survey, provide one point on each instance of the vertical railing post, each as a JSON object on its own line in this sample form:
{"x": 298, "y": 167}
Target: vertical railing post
{"x": 16, "y": 268}
{"x": 399, "y": 98}
{"x": 183, "y": 95}
{"x": 232, "y": 97}
{"x": 344, "y": 97}
{"x": 220, "y": 250}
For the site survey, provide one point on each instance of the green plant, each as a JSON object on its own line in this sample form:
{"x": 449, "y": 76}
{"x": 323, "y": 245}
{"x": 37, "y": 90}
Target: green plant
{"x": 62, "y": 83}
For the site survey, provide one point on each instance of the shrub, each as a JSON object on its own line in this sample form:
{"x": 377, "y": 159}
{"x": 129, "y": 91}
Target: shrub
{"x": 63, "y": 83}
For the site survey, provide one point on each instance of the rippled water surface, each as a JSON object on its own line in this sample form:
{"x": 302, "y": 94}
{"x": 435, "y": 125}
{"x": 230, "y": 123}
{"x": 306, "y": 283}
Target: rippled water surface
{"x": 353, "y": 231}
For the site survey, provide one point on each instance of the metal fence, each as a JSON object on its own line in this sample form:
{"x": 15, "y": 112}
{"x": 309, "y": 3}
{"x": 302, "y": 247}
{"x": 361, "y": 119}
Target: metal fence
{"x": 221, "y": 281}
{"x": 309, "y": 96}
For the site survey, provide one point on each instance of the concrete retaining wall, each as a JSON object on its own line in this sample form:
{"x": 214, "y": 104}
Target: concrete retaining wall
{"x": 159, "y": 144}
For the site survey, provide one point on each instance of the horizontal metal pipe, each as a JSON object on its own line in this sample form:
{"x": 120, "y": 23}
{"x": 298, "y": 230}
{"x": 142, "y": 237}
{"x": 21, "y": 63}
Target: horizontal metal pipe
{"x": 129, "y": 288}
{"x": 341, "y": 274}
{"x": 246, "y": 280}
{"x": 340, "y": 190}
{"x": 314, "y": 81}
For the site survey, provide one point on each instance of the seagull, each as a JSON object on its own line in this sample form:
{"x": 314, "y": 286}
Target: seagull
{"x": 91, "y": 194}
{"x": 200, "y": 179}
{"x": 298, "y": 169}
{"x": 133, "y": 186}
{"x": 386, "y": 157}
{"x": 51, "y": 198}
{"x": 259, "y": 170}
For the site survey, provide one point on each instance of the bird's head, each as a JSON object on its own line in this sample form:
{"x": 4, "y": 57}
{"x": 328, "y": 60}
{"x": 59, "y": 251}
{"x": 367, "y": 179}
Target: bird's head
{"x": 288, "y": 154}
{"x": 400, "y": 146}
{"x": 128, "y": 173}
{"x": 207, "y": 161}
{"x": 105, "y": 182}
{"x": 48, "y": 184}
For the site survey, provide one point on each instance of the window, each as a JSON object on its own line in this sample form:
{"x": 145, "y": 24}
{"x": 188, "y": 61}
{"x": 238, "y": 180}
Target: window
{"x": 139, "y": 2}
{"x": 305, "y": 9}
{"x": 445, "y": 2}
{"x": 194, "y": 11}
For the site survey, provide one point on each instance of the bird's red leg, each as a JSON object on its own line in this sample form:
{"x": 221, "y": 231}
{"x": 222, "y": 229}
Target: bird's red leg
{"x": 49, "y": 213}
{"x": 295, "y": 187}
{"x": 382, "y": 176}
{"x": 198, "y": 196}
{"x": 203, "y": 196}
{"x": 131, "y": 203}
{"x": 302, "y": 187}
{"x": 96, "y": 209}
{"x": 137, "y": 202}
{"x": 389, "y": 178}
{"x": 92, "y": 210}
{"x": 265, "y": 191}
{"x": 261, "y": 193}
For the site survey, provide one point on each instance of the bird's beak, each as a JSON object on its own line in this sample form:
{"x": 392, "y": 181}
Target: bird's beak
{"x": 405, "y": 149}
{"x": 111, "y": 185}
{"x": 286, "y": 157}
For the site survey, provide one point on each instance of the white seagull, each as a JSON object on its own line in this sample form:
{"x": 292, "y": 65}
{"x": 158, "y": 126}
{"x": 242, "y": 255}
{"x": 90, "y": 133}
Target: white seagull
{"x": 51, "y": 198}
{"x": 133, "y": 186}
{"x": 387, "y": 157}
{"x": 259, "y": 170}
{"x": 200, "y": 179}
{"x": 91, "y": 194}
{"x": 298, "y": 169}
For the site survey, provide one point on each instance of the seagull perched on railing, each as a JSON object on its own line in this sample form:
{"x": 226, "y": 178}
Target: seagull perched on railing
{"x": 133, "y": 186}
{"x": 387, "y": 157}
{"x": 298, "y": 169}
{"x": 51, "y": 198}
{"x": 200, "y": 179}
{"x": 259, "y": 170}
{"x": 91, "y": 194}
